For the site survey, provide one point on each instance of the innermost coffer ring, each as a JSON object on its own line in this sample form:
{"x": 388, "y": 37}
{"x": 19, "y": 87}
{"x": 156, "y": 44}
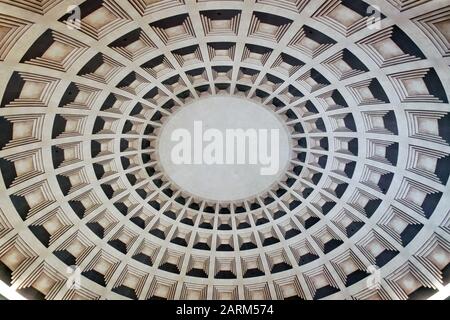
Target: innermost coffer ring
{"x": 224, "y": 148}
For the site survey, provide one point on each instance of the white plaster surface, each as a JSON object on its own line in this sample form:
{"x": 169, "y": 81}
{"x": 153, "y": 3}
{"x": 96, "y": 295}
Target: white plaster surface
{"x": 222, "y": 182}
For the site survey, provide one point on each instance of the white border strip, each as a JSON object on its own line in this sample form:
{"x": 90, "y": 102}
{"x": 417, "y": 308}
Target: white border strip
{"x": 9, "y": 293}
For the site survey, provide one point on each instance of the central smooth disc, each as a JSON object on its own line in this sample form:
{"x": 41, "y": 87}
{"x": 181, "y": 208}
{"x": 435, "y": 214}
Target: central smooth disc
{"x": 228, "y": 182}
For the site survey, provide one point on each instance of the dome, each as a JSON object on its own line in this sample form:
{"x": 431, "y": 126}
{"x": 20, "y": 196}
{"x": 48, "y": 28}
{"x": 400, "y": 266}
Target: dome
{"x": 93, "y": 207}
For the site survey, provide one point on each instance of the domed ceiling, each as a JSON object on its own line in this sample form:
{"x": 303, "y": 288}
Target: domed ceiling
{"x": 361, "y": 211}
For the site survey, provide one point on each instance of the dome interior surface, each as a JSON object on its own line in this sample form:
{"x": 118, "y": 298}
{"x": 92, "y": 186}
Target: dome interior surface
{"x": 364, "y": 105}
